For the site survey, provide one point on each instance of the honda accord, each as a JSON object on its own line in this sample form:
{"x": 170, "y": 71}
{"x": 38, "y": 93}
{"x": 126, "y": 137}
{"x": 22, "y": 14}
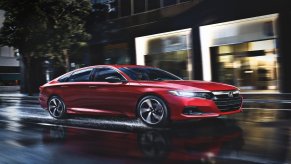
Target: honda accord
{"x": 151, "y": 94}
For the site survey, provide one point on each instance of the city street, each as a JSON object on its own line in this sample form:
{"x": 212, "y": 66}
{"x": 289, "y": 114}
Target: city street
{"x": 117, "y": 78}
{"x": 261, "y": 134}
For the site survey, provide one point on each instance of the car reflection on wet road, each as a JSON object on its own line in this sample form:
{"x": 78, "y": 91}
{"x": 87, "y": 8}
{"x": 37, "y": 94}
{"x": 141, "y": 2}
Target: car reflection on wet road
{"x": 200, "y": 143}
{"x": 29, "y": 135}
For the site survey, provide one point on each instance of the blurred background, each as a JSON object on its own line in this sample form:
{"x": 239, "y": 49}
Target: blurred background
{"x": 243, "y": 42}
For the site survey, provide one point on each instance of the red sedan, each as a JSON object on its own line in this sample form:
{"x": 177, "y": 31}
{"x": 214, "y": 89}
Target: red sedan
{"x": 152, "y": 94}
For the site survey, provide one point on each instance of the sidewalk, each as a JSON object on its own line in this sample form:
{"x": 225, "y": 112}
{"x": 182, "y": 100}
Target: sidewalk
{"x": 14, "y": 91}
{"x": 18, "y": 95}
{"x": 284, "y": 98}
{"x": 9, "y": 89}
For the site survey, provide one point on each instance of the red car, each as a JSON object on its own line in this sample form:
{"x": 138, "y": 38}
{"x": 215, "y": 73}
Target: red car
{"x": 152, "y": 94}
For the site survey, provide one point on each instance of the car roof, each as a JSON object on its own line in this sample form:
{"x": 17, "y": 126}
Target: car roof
{"x": 107, "y": 65}
{"x": 115, "y": 66}
{"x": 120, "y": 66}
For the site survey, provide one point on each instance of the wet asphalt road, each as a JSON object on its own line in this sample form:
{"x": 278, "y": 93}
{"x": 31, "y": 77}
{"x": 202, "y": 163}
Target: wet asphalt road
{"x": 261, "y": 134}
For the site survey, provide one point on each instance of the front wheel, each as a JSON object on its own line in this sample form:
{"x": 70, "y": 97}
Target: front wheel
{"x": 56, "y": 107}
{"x": 153, "y": 111}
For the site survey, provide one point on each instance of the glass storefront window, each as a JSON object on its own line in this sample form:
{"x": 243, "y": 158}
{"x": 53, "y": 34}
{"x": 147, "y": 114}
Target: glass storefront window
{"x": 116, "y": 54}
{"x": 242, "y": 52}
{"x": 153, "y": 4}
{"x": 125, "y": 7}
{"x": 170, "y": 2}
{"x": 170, "y": 51}
{"x": 250, "y": 66}
{"x": 139, "y": 6}
{"x": 174, "y": 62}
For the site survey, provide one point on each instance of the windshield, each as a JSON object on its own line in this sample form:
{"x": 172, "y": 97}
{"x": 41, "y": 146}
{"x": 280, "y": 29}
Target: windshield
{"x": 151, "y": 74}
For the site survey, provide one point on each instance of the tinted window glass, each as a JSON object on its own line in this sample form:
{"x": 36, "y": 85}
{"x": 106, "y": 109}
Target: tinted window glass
{"x": 184, "y": 0}
{"x": 137, "y": 73}
{"x": 139, "y": 6}
{"x": 64, "y": 78}
{"x": 169, "y": 2}
{"x": 81, "y": 75}
{"x": 113, "y": 9}
{"x": 153, "y": 4}
{"x": 125, "y": 6}
{"x": 102, "y": 73}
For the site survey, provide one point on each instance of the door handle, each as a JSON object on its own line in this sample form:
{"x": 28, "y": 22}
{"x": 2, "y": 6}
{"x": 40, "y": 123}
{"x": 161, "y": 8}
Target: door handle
{"x": 92, "y": 86}
{"x": 63, "y": 86}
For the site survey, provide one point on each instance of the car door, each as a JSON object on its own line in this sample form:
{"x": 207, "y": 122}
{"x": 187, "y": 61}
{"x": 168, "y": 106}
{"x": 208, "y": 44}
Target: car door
{"x": 109, "y": 96}
{"x": 76, "y": 89}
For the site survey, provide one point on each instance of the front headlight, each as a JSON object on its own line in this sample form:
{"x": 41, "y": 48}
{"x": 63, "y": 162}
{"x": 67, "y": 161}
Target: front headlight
{"x": 237, "y": 92}
{"x": 192, "y": 94}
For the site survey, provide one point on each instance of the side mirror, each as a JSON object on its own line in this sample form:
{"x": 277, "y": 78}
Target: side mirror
{"x": 113, "y": 79}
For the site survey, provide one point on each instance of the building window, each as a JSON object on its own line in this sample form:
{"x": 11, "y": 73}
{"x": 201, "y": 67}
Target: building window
{"x": 116, "y": 54}
{"x": 170, "y": 2}
{"x": 242, "y": 53}
{"x": 181, "y": 1}
{"x": 125, "y": 7}
{"x": 170, "y": 51}
{"x": 113, "y": 9}
{"x": 153, "y": 4}
{"x": 251, "y": 66}
{"x": 139, "y": 6}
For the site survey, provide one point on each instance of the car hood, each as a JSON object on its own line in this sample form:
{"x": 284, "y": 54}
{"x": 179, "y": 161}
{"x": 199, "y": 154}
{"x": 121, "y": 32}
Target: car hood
{"x": 189, "y": 85}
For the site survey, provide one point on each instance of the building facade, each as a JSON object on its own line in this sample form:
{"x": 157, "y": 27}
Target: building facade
{"x": 243, "y": 43}
{"x": 9, "y": 63}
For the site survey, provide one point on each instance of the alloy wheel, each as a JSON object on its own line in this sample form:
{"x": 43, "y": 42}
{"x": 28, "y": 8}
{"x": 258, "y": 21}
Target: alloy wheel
{"x": 152, "y": 110}
{"x": 56, "y": 107}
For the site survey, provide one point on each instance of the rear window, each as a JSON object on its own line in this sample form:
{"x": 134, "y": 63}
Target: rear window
{"x": 64, "y": 78}
{"x": 81, "y": 75}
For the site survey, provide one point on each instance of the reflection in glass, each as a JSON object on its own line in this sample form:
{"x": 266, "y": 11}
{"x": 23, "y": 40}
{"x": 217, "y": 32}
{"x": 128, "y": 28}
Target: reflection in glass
{"x": 125, "y": 7}
{"x": 116, "y": 54}
{"x": 250, "y": 66}
{"x": 153, "y": 4}
{"x": 170, "y": 52}
{"x": 139, "y": 6}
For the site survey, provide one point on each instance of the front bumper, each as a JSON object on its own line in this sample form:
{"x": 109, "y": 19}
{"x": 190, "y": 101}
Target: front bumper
{"x": 201, "y": 108}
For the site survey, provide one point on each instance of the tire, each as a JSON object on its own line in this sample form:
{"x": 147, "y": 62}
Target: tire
{"x": 56, "y": 107}
{"x": 153, "y": 111}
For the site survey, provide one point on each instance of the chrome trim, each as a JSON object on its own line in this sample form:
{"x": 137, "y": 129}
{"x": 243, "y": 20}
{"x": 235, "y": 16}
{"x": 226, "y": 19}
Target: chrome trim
{"x": 217, "y": 93}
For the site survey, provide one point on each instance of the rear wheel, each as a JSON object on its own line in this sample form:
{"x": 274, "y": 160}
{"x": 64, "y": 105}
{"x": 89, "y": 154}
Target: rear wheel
{"x": 153, "y": 111}
{"x": 56, "y": 107}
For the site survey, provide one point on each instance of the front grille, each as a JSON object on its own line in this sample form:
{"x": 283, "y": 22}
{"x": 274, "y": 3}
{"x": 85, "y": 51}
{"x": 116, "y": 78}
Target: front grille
{"x": 226, "y": 103}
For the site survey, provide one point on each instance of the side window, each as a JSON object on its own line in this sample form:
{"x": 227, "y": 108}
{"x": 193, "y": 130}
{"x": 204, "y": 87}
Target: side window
{"x": 81, "y": 75}
{"x": 102, "y": 73}
{"x": 64, "y": 78}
